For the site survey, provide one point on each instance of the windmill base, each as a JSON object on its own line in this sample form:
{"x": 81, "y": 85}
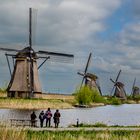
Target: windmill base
{"x": 13, "y": 94}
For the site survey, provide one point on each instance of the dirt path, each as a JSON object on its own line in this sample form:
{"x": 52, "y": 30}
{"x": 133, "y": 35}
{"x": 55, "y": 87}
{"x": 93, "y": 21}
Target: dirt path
{"x": 86, "y": 129}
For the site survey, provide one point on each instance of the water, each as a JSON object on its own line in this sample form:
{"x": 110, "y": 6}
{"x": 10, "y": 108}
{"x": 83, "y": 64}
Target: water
{"x": 127, "y": 114}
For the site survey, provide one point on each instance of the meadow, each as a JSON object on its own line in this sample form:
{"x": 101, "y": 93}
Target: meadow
{"x": 52, "y": 101}
{"x": 14, "y": 134}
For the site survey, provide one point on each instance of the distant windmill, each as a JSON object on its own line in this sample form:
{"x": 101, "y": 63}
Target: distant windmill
{"x": 90, "y": 79}
{"x": 24, "y": 78}
{"x": 135, "y": 89}
{"x": 118, "y": 87}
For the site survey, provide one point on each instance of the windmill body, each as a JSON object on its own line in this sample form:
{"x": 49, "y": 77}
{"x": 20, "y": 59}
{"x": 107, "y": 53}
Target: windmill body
{"x": 20, "y": 84}
{"x": 136, "y": 91}
{"x": 119, "y": 88}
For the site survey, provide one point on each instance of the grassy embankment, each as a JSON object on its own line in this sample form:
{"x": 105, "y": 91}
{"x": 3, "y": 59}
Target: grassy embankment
{"x": 52, "y": 101}
{"x": 85, "y": 96}
{"x": 12, "y": 134}
{"x": 56, "y": 101}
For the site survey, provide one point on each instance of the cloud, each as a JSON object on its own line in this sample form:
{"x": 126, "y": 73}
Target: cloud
{"x": 73, "y": 26}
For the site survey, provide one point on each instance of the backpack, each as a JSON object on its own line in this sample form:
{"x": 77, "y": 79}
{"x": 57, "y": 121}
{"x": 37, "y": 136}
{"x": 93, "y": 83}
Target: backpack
{"x": 41, "y": 116}
{"x": 49, "y": 114}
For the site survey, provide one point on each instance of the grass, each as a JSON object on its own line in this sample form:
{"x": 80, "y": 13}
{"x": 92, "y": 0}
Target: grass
{"x": 57, "y": 101}
{"x": 100, "y": 124}
{"x": 85, "y": 135}
{"x": 16, "y": 134}
{"x": 33, "y": 103}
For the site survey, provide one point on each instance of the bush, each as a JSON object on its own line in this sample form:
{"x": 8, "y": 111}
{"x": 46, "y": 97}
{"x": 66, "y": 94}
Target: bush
{"x": 85, "y": 96}
{"x": 115, "y": 101}
{"x": 97, "y": 98}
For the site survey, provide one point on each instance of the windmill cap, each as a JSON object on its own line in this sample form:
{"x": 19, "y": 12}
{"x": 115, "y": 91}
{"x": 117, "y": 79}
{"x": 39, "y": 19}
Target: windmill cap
{"x": 26, "y": 52}
{"x": 120, "y": 84}
{"x": 91, "y": 76}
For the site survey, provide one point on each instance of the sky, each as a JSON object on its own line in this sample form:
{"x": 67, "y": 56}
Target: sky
{"x": 110, "y": 29}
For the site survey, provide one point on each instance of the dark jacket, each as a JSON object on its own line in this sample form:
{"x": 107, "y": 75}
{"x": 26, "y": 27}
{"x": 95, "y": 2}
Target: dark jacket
{"x": 56, "y": 117}
{"x": 41, "y": 116}
{"x": 33, "y": 116}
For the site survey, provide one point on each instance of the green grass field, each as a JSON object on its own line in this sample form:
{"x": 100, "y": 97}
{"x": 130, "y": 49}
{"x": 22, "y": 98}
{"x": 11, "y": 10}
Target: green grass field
{"x": 11, "y": 134}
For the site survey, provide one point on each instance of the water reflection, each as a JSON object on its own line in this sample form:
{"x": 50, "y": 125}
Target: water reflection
{"x": 127, "y": 114}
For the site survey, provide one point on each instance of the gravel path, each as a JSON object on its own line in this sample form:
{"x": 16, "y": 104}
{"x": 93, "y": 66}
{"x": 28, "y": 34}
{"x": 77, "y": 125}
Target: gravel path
{"x": 86, "y": 129}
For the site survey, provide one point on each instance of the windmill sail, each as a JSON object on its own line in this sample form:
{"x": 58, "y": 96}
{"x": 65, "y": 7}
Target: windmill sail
{"x": 57, "y": 57}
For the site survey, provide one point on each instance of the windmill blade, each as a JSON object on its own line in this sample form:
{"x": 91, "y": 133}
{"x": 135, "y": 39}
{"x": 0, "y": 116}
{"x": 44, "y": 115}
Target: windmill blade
{"x": 82, "y": 82}
{"x": 30, "y": 27}
{"x": 118, "y": 76}
{"x": 112, "y": 90}
{"x": 55, "y": 53}
{"x": 113, "y": 86}
{"x": 82, "y": 74}
{"x": 118, "y": 88}
{"x": 7, "y": 49}
{"x": 89, "y": 59}
{"x": 98, "y": 86}
{"x": 112, "y": 80}
{"x": 133, "y": 86}
{"x": 57, "y": 57}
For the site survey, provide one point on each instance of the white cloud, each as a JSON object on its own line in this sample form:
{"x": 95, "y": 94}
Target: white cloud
{"x": 72, "y": 26}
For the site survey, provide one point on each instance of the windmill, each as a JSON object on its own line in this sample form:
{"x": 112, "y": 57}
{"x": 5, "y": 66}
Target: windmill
{"x": 118, "y": 88}
{"x": 24, "y": 78}
{"x": 90, "y": 79}
{"x": 135, "y": 90}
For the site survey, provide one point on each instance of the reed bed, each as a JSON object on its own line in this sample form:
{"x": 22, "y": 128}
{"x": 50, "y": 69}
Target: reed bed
{"x": 33, "y": 103}
{"x": 16, "y": 134}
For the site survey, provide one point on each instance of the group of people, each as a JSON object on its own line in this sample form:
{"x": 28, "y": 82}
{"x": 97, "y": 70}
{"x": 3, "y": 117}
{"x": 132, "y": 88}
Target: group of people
{"x": 46, "y": 116}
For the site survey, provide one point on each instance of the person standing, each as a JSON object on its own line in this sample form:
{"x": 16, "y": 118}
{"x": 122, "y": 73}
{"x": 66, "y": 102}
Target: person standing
{"x": 33, "y": 119}
{"x": 56, "y": 118}
{"x": 41, "y": 117}
{"x": 48, "y": 116}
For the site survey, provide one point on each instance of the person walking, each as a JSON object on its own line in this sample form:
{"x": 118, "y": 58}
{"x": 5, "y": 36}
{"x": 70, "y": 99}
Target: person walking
{"x": 56, "y": 118}
{"x": 48, "y": 116}
{"x": 41, "y": 117}
{"x": 33, "y": 119}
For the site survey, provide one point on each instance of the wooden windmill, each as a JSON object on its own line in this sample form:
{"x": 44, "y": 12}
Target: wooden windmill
{"x": 24, "y": 81}
{"x": 119, "y": 88}
{"x": 90, "y": 79}
{"x": 135, "y": 90}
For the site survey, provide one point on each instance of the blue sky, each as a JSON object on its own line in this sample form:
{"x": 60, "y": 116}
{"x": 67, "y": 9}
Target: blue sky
{"x": 110, "y": 29}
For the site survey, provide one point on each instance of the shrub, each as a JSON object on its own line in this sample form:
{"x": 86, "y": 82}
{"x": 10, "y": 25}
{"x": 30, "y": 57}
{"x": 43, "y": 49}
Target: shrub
{"x": 84, "y": 95}
{"x": 97, "y": 98}
{"x": 115, "y": 101}
{"x": 136, "y": 98}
